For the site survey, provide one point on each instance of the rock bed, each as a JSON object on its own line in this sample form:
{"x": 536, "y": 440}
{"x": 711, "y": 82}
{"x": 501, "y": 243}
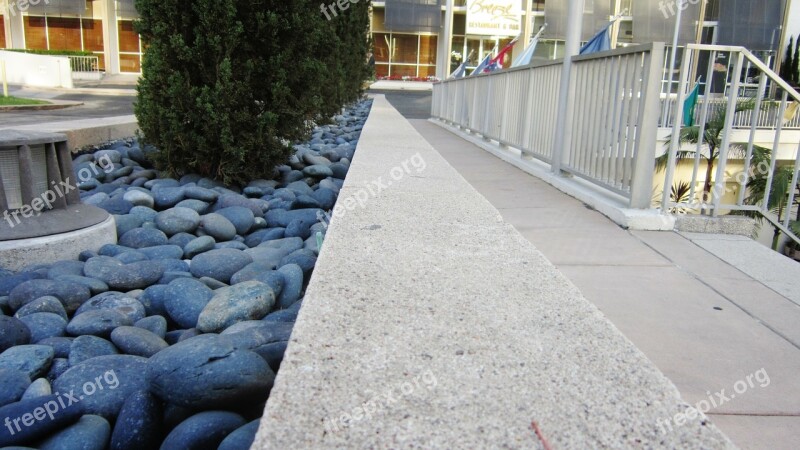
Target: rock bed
{"x": 171, "y": 338}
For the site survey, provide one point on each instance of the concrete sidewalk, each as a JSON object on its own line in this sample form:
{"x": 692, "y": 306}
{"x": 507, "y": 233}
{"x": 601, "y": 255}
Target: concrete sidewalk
{"x": 706, "y": 324}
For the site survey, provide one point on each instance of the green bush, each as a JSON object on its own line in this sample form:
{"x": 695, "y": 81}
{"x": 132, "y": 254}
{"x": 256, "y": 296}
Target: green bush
{"x": 227, "y": 85}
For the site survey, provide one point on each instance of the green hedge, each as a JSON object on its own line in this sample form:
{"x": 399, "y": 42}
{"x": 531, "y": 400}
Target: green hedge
{"x": 227, "y": 85}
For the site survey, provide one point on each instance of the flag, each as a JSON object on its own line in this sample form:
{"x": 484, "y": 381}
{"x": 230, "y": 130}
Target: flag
{"x": 497, "y": 62}
{"x": 791, "y": 110}
{"x": 599, "y": 43}
{"x": 460, "y": 71}
{"x": 690, "y": 104}
{"x": 483, "y": 65}
{"x": 525, "y": 58}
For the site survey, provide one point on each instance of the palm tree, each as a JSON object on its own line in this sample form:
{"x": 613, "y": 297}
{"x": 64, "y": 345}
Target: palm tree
{"x": 779, "y": 191}
{"x": 712, "y": 138}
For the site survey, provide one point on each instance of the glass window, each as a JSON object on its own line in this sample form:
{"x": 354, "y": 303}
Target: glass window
{"x": 64, "y": 33}
{"x": 381, "y": 70}
{"x": 2, "y": 32}
{"x": 378, "y": 17}
{"x": 35, "y": 33}
{"x": 427, "y": 49}
{"x": 93, "y": 35}
{"x": 459, "y": 24}
{"x": 427, "y": 71}
{"x": 130, "y": 63}
{"x": 404, "y": 71}
{"x": 380, "y": 43}
{"x": 128, "y": 39}
{"x": 404, "y": 48}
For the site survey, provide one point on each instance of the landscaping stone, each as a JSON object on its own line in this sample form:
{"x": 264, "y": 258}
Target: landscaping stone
{"x": 198, "y": 246}
{"x": 13, "y": 332}
{"x": 185, "y": 299}
{"x": 143, "y": 237}
{"x": 89, "y": 433}
{"x": 221, "y": 376}
{"x": 218, "y": 227}
{"x": 71, "y": 295}
{"x": 39, "y": 388}
{"x": 118, "y": 275}
{"x": 87, "y": 347}
{"x": 219, "y": 264}
{"x": 154, "y": 324}
{"x": 13, "y": 384}
{"x": 97, "y": 323}
{"x": 205, "y": 430}
{"x": 177, "y": 220}
{"x": 251, "y": 300}
{"x": 120, "y": 376}
{"x": 137, "y": 341}
{"x": 32, "y": 360}
{"x": 139, "y": 424}
{"x": 21, "y": 434}
{"x": 43, "y": 325}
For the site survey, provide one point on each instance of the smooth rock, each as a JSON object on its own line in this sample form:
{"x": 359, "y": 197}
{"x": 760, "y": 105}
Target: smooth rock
{"x": 185, "y": 299}
{"x": 86, "y": 347}
{"x": 67, "y": 267}
{"x": 71, "y": 295}
{"x": 13, "y": 332}
{"x": 39, "y": 388}
{"x": 137, "y": 341}
{"x": 154, "y": 324}
{"x": 242, "y": 438}
{"x": 44, "y": 325}
{"x": 143, "y": 237}
{"x": 61, "y": 345}
{"x": 139, "y": 424}
{"x": 13, "y": 384}
{"x": 200, "y": 193}
{"x": 95, "y": 286}
{"x": 167, "y": 197}
{"x": 163, "y": 252}
{"x": 177, "y": 220}
{"x": 117, "y": 275}
{"x": 242, "y": 218}
{"x": 219, "y": 264}
{"x": 293, "y": 285}
{"x": 198, "y": 246}
{"x": 97, "y": 323}
{"x": 222, "y": 376}
{"x": 120, "y": 376}
{"x": 139, "y": 198}
{"x": 218, "y": 227}
{"x": 203, "y": 431}
{"x": 198, "y": 206}
{"x": 89, "y": 433}
{"x": 32, "y": 360}
{"x": 117, "y": 301}
{"x": 251, "y": 300}
{"x": 22, "y": 433}
{"x": 181, "y": 239}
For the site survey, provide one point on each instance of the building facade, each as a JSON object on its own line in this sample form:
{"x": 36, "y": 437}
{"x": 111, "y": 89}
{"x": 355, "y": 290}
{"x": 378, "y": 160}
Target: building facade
{"x": 419, "y": 48}
{"x": 103, "y": 28}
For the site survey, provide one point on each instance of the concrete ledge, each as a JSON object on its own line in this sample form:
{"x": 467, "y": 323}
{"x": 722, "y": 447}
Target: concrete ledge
{"x": 431, "y": 323}
{"x": 609, "y": 204}
{"x": 16, "y": 254}
{"x": 52, "y": 106}
{"x": 88, "y": 132}
{"x": 738, "y": 225}
{"x": 393, "y": 85}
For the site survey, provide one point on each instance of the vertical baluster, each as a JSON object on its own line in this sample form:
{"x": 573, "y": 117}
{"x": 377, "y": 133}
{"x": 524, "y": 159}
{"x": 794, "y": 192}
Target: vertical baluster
{"x": 719, "y": 183}
{"x": 762, "y": 86}
{"x": 774, "y": 153}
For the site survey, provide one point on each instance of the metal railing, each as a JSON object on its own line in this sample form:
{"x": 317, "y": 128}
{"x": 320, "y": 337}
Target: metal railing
{"x": 84, "y": 63}
{"x": 610, "y": 138}
{"x": 767, "y": 116}
{"x": 767, "y": 181}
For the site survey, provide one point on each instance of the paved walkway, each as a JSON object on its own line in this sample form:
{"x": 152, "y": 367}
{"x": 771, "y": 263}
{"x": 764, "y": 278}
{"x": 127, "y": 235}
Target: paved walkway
{"x": 706, "y": 324}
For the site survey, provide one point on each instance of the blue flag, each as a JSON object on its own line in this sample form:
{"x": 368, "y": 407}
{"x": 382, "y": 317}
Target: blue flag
{"x": 599, "y": 43}
{"x": 690, "y": 105}
{"x": 525, "y": 58}
{"x": 483, "y": 65}
{"x": 460, "y": 71}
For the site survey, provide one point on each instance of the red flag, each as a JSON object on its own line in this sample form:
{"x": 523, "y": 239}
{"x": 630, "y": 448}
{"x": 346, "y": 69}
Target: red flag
{"x": 496, "y": 63}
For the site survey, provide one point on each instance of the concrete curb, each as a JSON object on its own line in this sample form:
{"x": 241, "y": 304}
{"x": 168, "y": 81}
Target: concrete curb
{"x": 50, "y": 107}
{"x": 431, "y": 323}
{"x": 87, "y": 132}
{"x": 607, "y": 204}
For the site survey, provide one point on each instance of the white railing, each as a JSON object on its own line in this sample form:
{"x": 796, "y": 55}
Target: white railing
{"x": 84, "y": 63}
{"x": 612, "y": 116}
{"x": 766, "y": 182}
{"x": 767, "y": 115}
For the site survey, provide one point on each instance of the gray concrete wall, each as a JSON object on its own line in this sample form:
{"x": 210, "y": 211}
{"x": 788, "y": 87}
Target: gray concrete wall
{"x": 431, "y": 323}
{"x": 87, "y": 132}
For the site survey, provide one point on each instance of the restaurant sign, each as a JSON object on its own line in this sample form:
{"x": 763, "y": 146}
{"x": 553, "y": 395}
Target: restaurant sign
{"x": 494, "y": 17}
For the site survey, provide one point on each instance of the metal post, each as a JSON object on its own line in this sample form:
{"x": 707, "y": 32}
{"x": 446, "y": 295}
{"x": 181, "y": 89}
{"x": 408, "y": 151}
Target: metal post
{"x": 446, "y": 43}
{"x": 675, "y": 142}
{"x": 3, "y": 76}
{"x": 722, "y": 160}
{"x": 672, "y": 56}
{"x": 571, "y": 48}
